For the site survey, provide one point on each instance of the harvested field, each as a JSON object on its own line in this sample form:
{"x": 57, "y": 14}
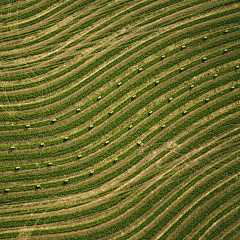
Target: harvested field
{"x": 120, "y": 119}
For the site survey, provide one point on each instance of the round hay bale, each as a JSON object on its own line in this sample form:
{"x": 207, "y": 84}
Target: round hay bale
{"x": 225, "y": 50}
{"x": 181, "y": 69}
{"x": 91, "y": 126}
{"x": 150, "y": 113}
{"x": 163, "y": 126}
{"x": 130, "y": 126}
{"x": 78, "y": 110}
{"x": 140, "y": 70}
{"x": 27, "y": 126}
{"x": 226, "y": 31}
{"x": 205, "y": 38}
{"x": 119, "y": 84}
{"x": 134, "y": 96}
{"x": 207, "y": 100}
{"x": 6, "y": 190}
{"x": 183, "y": 47}
{"x": 185, "y": 112}
{"x": 12, "y": 148}
{"x": 111, "y": 113}
{"x": 232, "y": 88}
{"x": 38, "y": 186}
{"x": 99, "y": 97}
{"x": 163, "y": 56}
{"x": 237, "y": 67}
{"x": 66, "y": 181}
{"x": 79, "y": 156}
{"x": 157, "y": 82}
{"x": 215, "y": 75}
{"x": 66, "y": 138}
{"x": 107, "y": 142}
{"x": 17, "y": 168}
{"x": 54, "y": 120}
{"x": 170, "y": 99}
{"x": 42, "y": 144}
{"x": 204, "y": 59}
{"x": 49, "y": 164}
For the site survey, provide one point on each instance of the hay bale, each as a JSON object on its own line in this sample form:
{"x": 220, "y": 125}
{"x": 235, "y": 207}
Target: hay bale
{"x": 54, "y": 120}
{"x": 163, "y": 56}
{"x": 38, "y": 186}
{"x": 163, "y": 126}
{"x": 150, "y": 113}
{"x": 205, "y": 38}
{"x": 192, "y": 86}
{"x": 66, "y": 181}
{"x": 17, "y": 168}
{"x": 119, "y": 84}
{"x": 139, "y": 143}
{"x": 204, "y": 59}
{"x": 130, "y": 126}
{"x": 183, "y": 47}
{"x": 79, "y": 156}
{"x": 49, "y": 164}
{"x": 232, "y": 88}
{"x": 115, "y": 160}
{"x": 140, "y": 70}
{"x": 91, "y": 126}
{"x": 111, "y": 113}
{"x": 27, "y": 126}
{"x": 42, "y": 144}
{"x": 99, "y": 97}
{"x": 92, "y": 172}
{"x": 6, "y": 190}
{"x": 78, "y": 109}
{"x": 107, "y": 142}
{"x": 185, "y": 112}
{"x": 181, "y": 69}
{"x": 134, "y": 96}
{"x": 207, "y": 100}
{"x": 66, "y": 138}
{"x": 225, "y": 51}
{"x": 237, "y": 67}
{"x": 12, "y": 148}
{"x": 226, "y": 31}
{"x": 170, "y": 99}
{"x": 215, "y": 75}
{"x": 157, "y": 82}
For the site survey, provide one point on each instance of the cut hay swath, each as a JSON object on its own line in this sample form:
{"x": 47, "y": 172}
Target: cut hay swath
{"x": 113, "y": 112}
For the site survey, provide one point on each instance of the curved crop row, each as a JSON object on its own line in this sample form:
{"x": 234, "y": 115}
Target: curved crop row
{"x": 119, "y": 119}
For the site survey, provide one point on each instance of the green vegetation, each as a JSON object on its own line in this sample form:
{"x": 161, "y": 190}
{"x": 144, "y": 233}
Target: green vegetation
{"x": 119, "y": 119}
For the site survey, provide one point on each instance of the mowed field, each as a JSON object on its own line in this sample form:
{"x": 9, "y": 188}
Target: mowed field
{"x": 119, "y": 119}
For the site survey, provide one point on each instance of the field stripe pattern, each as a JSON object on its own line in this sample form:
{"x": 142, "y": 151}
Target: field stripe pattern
{"x": 119, "y": 119}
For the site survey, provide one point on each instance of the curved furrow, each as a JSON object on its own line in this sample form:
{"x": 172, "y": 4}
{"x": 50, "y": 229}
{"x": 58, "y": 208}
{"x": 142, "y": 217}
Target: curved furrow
{"x": 232, "y": 233}
{"x": 119, "y": 119}
{"x": 120, "y": 14}
{"x": 75, "y": 169}
{"x": 101, "y": 231}
{"x": 19, "y": 8}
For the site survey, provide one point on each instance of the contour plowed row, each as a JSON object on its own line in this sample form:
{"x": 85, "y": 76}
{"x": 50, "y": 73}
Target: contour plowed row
{"x": 119, "y": 119}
